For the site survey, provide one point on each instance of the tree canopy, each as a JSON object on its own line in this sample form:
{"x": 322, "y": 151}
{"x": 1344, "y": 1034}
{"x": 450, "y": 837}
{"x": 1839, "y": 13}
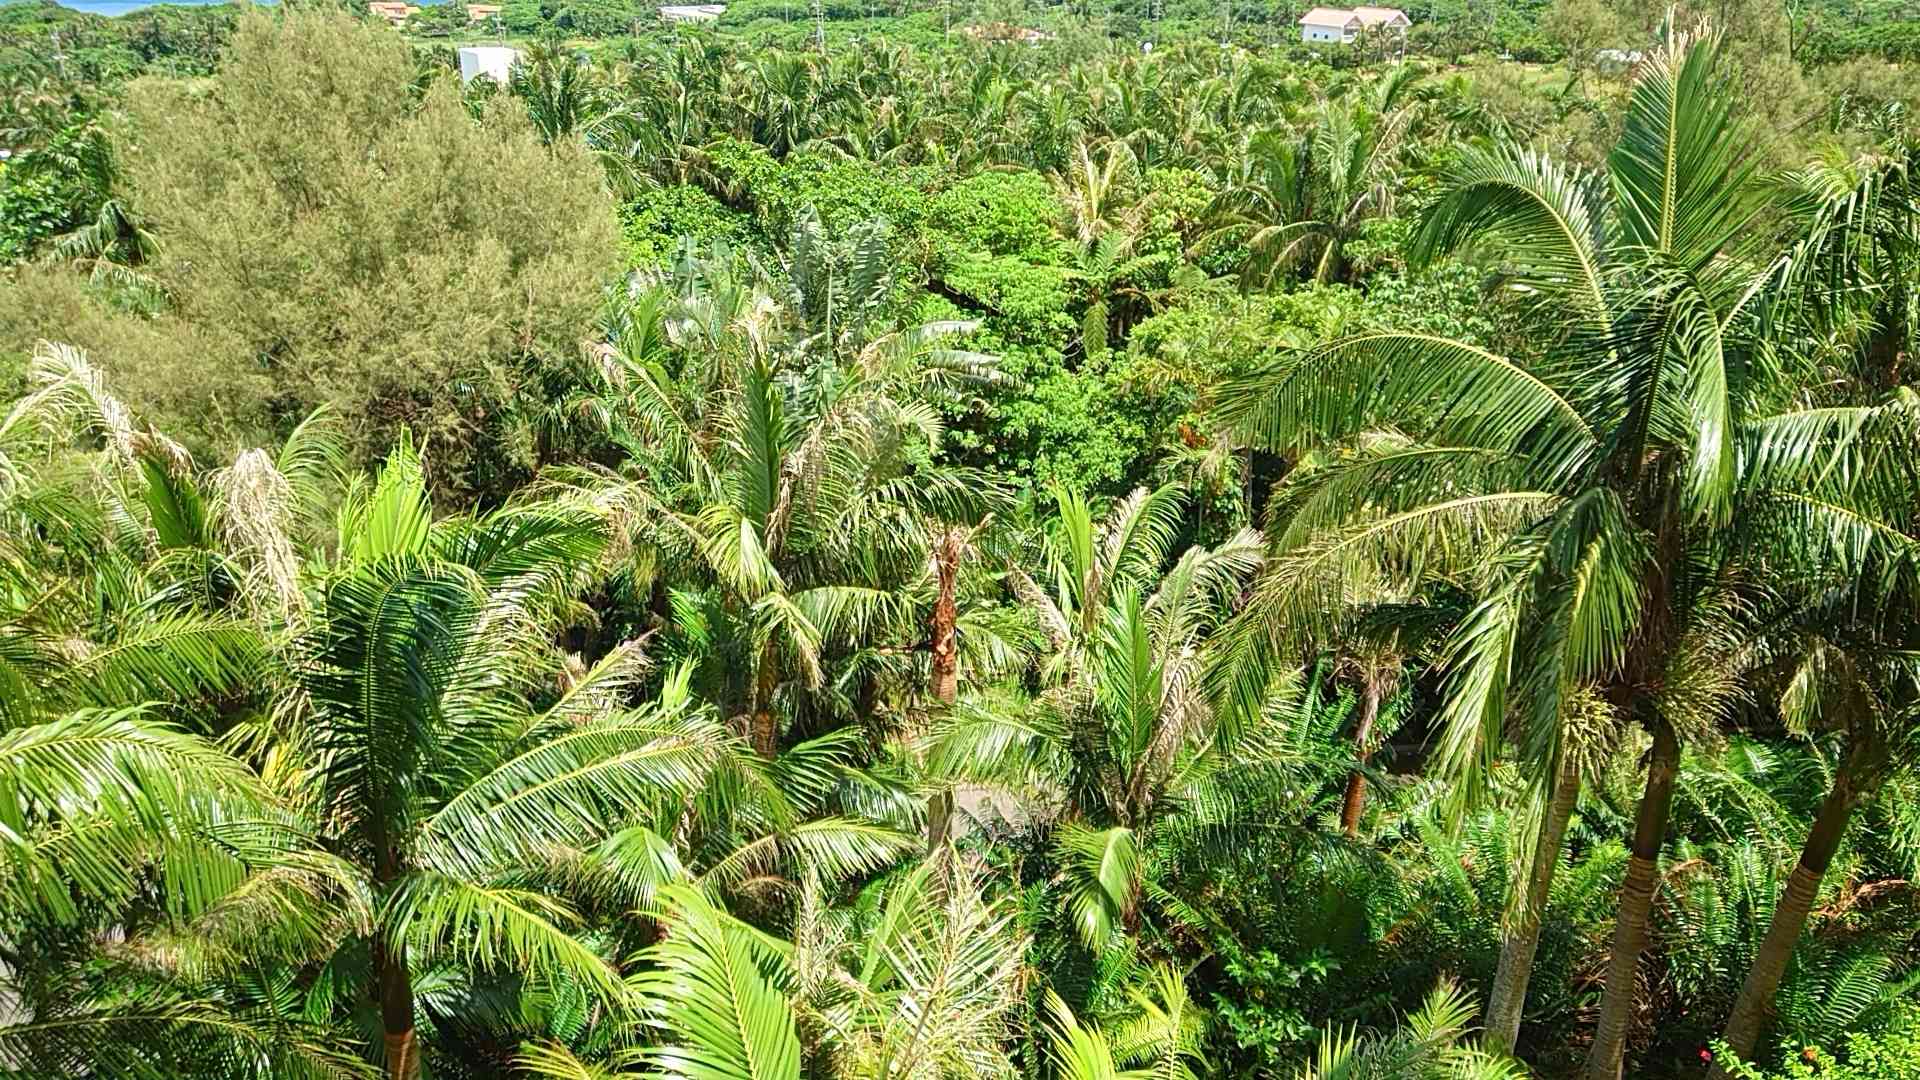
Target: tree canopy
{"x": 883, "y": 543}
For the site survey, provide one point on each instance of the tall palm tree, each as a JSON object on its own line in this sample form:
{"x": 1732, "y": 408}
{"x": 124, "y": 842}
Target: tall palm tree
{"x": 1123, "y": 742}
{"x": 1845, "y": 673}
{"x": 1858, "y": 679}
{"x": 1860, "y": 216}
{"x": 1609, "y": 486}
{"x": 1371, "y": 632}
{"x": 422, "y": 749}
{"x": 987, "y": 648}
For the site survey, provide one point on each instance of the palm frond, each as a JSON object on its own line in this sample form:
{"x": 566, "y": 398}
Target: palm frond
{"x": 715, "y": 991}
{"x": 1683, "y": 169}
{"x": 497, "y": 929}
{"x": 1103, "y": 868}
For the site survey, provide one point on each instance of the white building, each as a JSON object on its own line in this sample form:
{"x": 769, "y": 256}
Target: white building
{"x": 493, "y": 61}
{"x": 692, "y": 12}
{"x": 1624, "y": 58}
{"x": 1344, "y": 24}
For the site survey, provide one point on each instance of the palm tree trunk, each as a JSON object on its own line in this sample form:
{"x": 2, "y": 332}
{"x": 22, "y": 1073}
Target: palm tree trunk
{"x": 396, "y": 1010}
{"x": 1631, "y": 925}
{"x": 1520, "y": 939}
{"x": 946, "y": 619}
{"x": 1851, "y": 786}
{"x": 1356, "y": 799}
{"x": 765, "y": 735}
{"x": 393, "y": 980}
{"x": 945, "y": 635}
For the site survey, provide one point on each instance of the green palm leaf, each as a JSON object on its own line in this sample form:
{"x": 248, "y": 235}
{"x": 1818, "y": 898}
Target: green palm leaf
{"x": 1080, "y": 1052}
{"x": 1459, "y": 394}
{"x": 1103, "y": 868}
{"x": 576, "y": 786}
{"x": 1682, "y": 172}
{"x": 395, "y": 519}
{"x": 89, "y": 799}
{"x": 714, "y": 989}
{"x": 176, "y": 657}
{"x": 1547, "y": 218}
{"x": 378, "y": 668}
{"x": 498, "y": 929}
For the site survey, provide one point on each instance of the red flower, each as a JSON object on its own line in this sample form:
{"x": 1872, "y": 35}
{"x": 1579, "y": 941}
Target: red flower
{"x": 1706, "y": 1054}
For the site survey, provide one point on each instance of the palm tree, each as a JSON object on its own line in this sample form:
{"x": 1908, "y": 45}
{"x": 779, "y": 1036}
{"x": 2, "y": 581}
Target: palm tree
{"x": 1110, "y": 269}
{"x": 943, "y": 638}
{"x": 1123, "y": 741}
{"x": 124, "y": 827}
{"x": 1167, "y": 1029}
{"x": 421, "y": 748}
{"x": 939, "y": 977}
{"x": 1609, "y": 487}
{"x": 384, "y": 782}
{"x": 1861, "y": 682}
{"x": 126, "y": 598}
{"x": 781, "y": 459}
{"x": 1297, "y": 198}
{"x": 987, "y": 648}
{"x": 1096, "y": 190}
{"x": 1375, "y": 655}
{"x": 1860, "y": 216}
{"x": 1842, "y": 672}
{"x": 113, "y": 242}
{"x": 1371, "y": 632}
{"x": 919, "y": 981}
{"x": 122, "y": 654}
{"x": 787, "y": 101}
{"x": 561, "y": 94}
{"x": 1081, "y": 1052}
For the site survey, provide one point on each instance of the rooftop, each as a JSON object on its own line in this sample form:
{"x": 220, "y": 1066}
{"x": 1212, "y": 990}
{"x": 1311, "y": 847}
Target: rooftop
{"x": 1364, "y": 16}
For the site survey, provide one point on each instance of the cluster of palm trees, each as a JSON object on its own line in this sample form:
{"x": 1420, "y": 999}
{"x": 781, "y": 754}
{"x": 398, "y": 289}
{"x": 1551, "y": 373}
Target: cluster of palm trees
{"x": 1646, "y": 512}
{"x": 694, "y": 758}
{"x": 1295, "y": 168}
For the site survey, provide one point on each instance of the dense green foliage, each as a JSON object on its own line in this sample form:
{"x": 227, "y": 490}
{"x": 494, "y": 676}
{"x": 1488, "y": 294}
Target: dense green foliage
{"x": 355, "y": 207}
{"x": 937, "y": 557}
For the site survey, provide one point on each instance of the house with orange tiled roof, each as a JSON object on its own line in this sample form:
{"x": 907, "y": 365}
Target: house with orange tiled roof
{"x": 391, "y": 10}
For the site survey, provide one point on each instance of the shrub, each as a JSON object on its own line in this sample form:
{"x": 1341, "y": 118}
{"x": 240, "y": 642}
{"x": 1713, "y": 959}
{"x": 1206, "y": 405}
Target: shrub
{"x": 1891, "y": 1050}
{"x": 328, "y": 237}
